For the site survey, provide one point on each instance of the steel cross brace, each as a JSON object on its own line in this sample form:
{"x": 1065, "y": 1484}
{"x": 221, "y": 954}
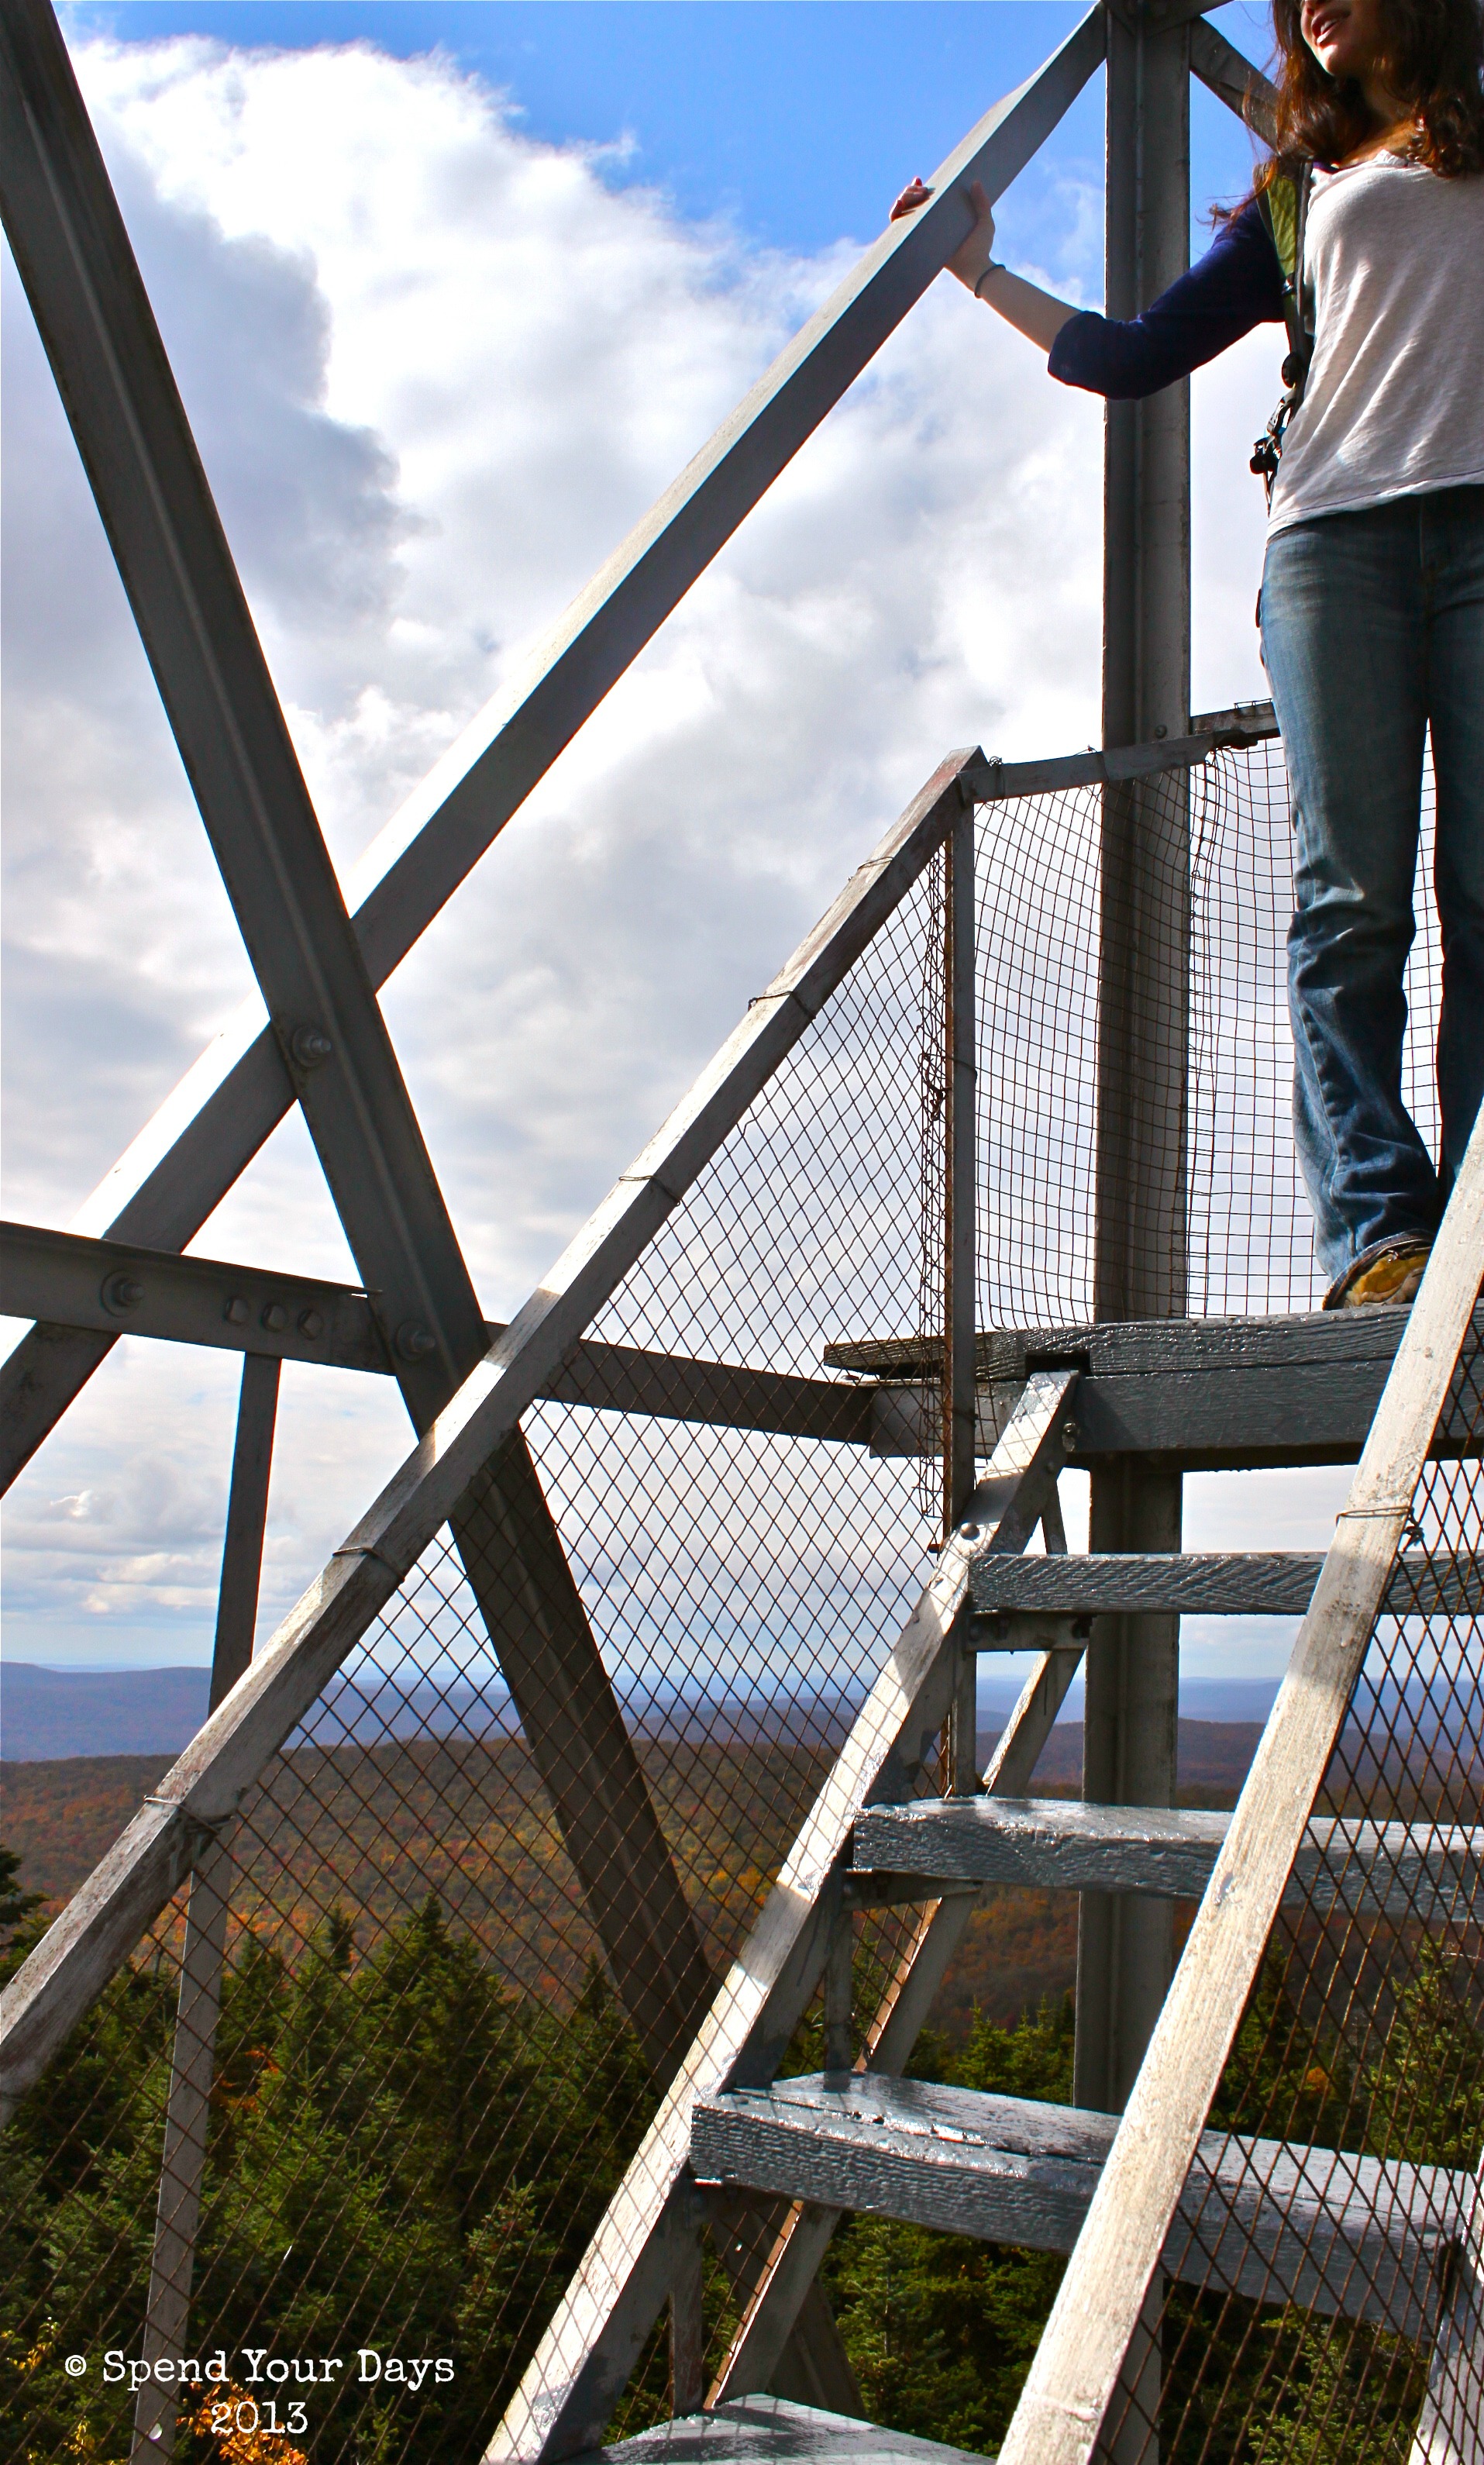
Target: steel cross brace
{"x": 471, "y": 1468}
{"x": 184, "y": 1161}
{"x": 131, "y": 431}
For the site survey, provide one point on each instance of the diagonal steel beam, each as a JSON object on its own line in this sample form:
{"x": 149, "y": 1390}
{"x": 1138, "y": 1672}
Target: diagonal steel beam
{"x": 580, "y": 2366}
{"x": 179, "y": 1169}
{"x": 135, "y": 445}
{"x": 1234, "y": 80}
{"x": 793, "y": 2262}
{"x": 107, "y": 1916}
{"x": 203, "y": 1952}
{"x": 70, "y": 244}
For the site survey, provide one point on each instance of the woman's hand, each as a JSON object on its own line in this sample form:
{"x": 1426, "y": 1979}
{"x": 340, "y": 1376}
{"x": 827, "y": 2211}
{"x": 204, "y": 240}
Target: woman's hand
{"x": 968, "y": 261}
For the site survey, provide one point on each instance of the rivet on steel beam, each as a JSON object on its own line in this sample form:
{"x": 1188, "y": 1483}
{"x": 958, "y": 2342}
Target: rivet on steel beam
{"x": 310, "y": 1323}
{"x": 236, "y": 1312}
{"x": 121, "y": 1294}
{"x": 310, "y": 1046}
{"x": 1069, "y": 1435}
{"x": 413, "y": 1340}
{"x": 275, "y": 1318}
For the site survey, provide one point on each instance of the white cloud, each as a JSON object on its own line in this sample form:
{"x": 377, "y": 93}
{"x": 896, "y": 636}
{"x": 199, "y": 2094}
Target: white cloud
{"x": 436, "y": 370}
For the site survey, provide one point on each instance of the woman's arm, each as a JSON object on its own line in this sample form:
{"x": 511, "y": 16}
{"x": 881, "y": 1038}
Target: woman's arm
{"x": 1236, "y": 285}
{"x": 1033, "y": 313}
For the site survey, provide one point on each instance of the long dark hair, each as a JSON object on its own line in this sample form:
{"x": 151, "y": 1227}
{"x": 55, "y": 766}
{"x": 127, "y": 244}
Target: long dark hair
{"x": 1434, "y": 60}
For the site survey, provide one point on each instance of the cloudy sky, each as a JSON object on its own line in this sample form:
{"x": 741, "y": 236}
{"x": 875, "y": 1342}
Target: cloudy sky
{"x": 452, "y": 292}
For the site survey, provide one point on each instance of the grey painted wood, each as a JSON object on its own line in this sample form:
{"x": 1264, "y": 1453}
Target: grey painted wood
{"x": 1149, "y": 1347}
{"x": 1082, "y": 2351}
{"x": 893, "y": 2032}
{"x": 132, "y": 1883}
{"x": 1341, "y": 2234}
{"x": 1210, "y": 1394}
{"x": 588, "y": 2346}
{"x": 1246, "y": 722}
{"x": 1451, "y": 2428}
{"x": 769, "y": 2430}
{"x": 1430, "y": 1873}
{"x": 181, "y": 1165}
{"x": 1257, "y": 1583}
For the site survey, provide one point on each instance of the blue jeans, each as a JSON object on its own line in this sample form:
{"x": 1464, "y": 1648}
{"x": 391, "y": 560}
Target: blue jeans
{"x": 1373, "y": 633}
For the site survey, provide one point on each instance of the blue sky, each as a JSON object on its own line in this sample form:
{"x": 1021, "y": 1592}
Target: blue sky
{"x": 794, "y": 117}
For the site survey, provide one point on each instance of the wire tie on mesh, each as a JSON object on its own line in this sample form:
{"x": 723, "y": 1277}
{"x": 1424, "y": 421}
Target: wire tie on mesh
{"x": 363, "y": 1550}
{"x": 177, "y": 1806}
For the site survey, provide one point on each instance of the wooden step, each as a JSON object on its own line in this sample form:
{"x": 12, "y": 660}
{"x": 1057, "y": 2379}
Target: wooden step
{"x": 1428, "y": 1872}
{"x": 772, "y": 2431}
{"x": 1266, "y": 1583}
{"x": 1207, "y": 1392}
{"x": 1281, "y": 2223}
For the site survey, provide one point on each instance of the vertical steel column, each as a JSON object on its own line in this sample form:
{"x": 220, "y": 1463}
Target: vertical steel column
{"x": 1125, "y": 1949}
{"x": 961, "y": 1074}
{"x": 188, "y": 2106}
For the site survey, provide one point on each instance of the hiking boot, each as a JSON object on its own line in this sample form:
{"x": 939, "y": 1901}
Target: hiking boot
{"x": 1391, "y": 1271}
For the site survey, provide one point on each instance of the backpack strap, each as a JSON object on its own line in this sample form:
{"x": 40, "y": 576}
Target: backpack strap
{"x": 1284, "y": 207}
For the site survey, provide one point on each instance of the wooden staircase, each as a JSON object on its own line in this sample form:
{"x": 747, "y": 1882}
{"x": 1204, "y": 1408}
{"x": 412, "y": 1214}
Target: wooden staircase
{"x": 1345, "y": 2235}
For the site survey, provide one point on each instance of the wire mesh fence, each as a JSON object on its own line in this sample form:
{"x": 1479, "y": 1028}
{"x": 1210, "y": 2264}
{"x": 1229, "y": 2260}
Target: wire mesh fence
{"x": 1330, "y": 2267}
{"x": 469, "y": 1918}
{"x": 1248, "y": 1246}
{"x": 476, "y": 1905}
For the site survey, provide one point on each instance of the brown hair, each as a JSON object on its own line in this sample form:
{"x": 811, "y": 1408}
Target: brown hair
{"x": 1434, "y": 60}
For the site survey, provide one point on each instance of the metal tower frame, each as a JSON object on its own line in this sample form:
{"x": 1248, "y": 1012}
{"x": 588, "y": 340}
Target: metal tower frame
{"x": 315, "y": 1038}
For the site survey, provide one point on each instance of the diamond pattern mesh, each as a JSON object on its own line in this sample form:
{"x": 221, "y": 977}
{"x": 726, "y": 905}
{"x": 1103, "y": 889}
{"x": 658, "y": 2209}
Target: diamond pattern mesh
{"x": 416, "y": 2020}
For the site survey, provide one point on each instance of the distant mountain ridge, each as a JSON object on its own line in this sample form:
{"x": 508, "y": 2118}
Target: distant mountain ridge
{"x": 48, "y": 1713}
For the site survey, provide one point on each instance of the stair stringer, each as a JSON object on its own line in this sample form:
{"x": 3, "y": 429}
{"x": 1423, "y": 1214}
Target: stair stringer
{"x": 584, "y": 2360}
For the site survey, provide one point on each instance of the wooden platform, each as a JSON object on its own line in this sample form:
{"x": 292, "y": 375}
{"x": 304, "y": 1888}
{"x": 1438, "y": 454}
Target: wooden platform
{"x": 1276, "y": 2221}
{"x": 1431, "y": 1874}
{"x": 769, "y": 2431}
{"x": 1212, "y": 1393}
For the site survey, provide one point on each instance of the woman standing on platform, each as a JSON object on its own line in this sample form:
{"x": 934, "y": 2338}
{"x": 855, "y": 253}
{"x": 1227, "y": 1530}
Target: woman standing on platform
{"x": 1372, "y": 601}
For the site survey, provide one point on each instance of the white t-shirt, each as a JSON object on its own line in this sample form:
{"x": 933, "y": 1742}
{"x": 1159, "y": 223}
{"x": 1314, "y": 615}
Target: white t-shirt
{"x": 1395, "y": 399}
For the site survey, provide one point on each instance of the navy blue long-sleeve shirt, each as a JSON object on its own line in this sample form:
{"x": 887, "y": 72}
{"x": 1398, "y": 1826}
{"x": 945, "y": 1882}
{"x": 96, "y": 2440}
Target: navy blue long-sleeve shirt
{"x": 1236, "y": 285}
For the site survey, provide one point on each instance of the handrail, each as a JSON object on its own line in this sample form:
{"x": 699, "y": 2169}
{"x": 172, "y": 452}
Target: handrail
{"x": 992, "y": 781}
